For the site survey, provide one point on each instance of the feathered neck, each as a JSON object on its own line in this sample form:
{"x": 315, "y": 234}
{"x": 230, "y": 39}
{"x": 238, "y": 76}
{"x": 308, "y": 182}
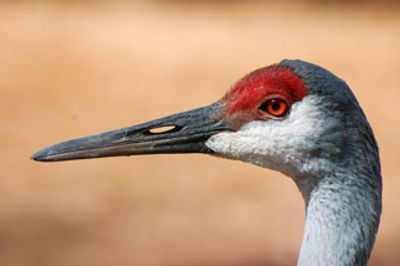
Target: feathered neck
{"x": 342, "y": 218}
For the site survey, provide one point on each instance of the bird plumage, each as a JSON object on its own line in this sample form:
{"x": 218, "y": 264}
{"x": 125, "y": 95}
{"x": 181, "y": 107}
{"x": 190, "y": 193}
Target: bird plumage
{"x": 325, "y": 144}
{"x": 322, "y": 140}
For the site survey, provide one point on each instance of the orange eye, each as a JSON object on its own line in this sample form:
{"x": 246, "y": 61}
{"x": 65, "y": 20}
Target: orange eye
{"x": 276, "y": 107}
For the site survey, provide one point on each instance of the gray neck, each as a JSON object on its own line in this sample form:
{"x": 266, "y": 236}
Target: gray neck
{"x": 342, "y": 218}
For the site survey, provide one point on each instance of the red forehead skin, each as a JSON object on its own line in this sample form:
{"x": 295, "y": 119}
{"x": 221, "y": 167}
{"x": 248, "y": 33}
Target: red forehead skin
{"x": 242, "y": 101}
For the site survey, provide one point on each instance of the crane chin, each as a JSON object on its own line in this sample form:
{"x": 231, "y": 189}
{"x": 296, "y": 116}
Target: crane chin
{"x": 184, "y": 132}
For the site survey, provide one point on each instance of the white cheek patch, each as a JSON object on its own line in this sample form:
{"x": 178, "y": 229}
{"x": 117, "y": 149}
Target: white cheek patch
{"x": 284, "y": 145}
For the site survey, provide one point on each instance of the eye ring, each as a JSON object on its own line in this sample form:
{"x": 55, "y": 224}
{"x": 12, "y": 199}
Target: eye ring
{"x": 274, "y": 107}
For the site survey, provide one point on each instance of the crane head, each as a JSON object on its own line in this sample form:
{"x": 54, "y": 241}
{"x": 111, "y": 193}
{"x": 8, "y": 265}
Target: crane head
{"x": 287, "y": 116}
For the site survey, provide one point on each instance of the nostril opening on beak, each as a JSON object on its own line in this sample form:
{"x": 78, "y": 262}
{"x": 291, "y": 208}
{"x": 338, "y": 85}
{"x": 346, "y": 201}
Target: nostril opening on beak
{"x": 162, "y": 130}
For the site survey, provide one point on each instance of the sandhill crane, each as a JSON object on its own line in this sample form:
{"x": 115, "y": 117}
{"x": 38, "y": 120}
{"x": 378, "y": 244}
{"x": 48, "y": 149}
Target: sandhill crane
{"x": 294, "y": 117}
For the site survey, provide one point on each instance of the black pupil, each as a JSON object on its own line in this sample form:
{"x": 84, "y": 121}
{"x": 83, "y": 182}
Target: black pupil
{"x": 275, "y": 105}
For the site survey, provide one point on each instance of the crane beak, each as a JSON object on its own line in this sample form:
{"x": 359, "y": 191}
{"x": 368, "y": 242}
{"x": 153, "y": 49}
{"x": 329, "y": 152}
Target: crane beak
{"x": 184, "y": 132}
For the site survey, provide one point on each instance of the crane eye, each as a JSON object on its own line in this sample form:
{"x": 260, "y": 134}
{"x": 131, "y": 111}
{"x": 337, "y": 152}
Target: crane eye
{"x": 276, "y": 107}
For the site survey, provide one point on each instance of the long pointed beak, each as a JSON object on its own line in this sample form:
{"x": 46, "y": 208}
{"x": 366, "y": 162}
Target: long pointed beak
{"x": 179, "y": 133}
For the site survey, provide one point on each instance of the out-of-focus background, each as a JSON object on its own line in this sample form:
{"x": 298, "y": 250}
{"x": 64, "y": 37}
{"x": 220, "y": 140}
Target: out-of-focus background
{"x": 73, "y": 69}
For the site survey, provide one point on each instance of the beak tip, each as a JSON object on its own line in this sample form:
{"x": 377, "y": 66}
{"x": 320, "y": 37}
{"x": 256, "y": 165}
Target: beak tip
{"x": 40, "y": 156}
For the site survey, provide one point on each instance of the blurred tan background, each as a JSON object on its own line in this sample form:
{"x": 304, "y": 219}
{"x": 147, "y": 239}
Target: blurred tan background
{"x": 73, "y": 69}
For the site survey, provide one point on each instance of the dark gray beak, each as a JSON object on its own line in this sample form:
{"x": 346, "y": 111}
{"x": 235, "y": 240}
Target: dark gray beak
{"x": 179, "y": 133}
